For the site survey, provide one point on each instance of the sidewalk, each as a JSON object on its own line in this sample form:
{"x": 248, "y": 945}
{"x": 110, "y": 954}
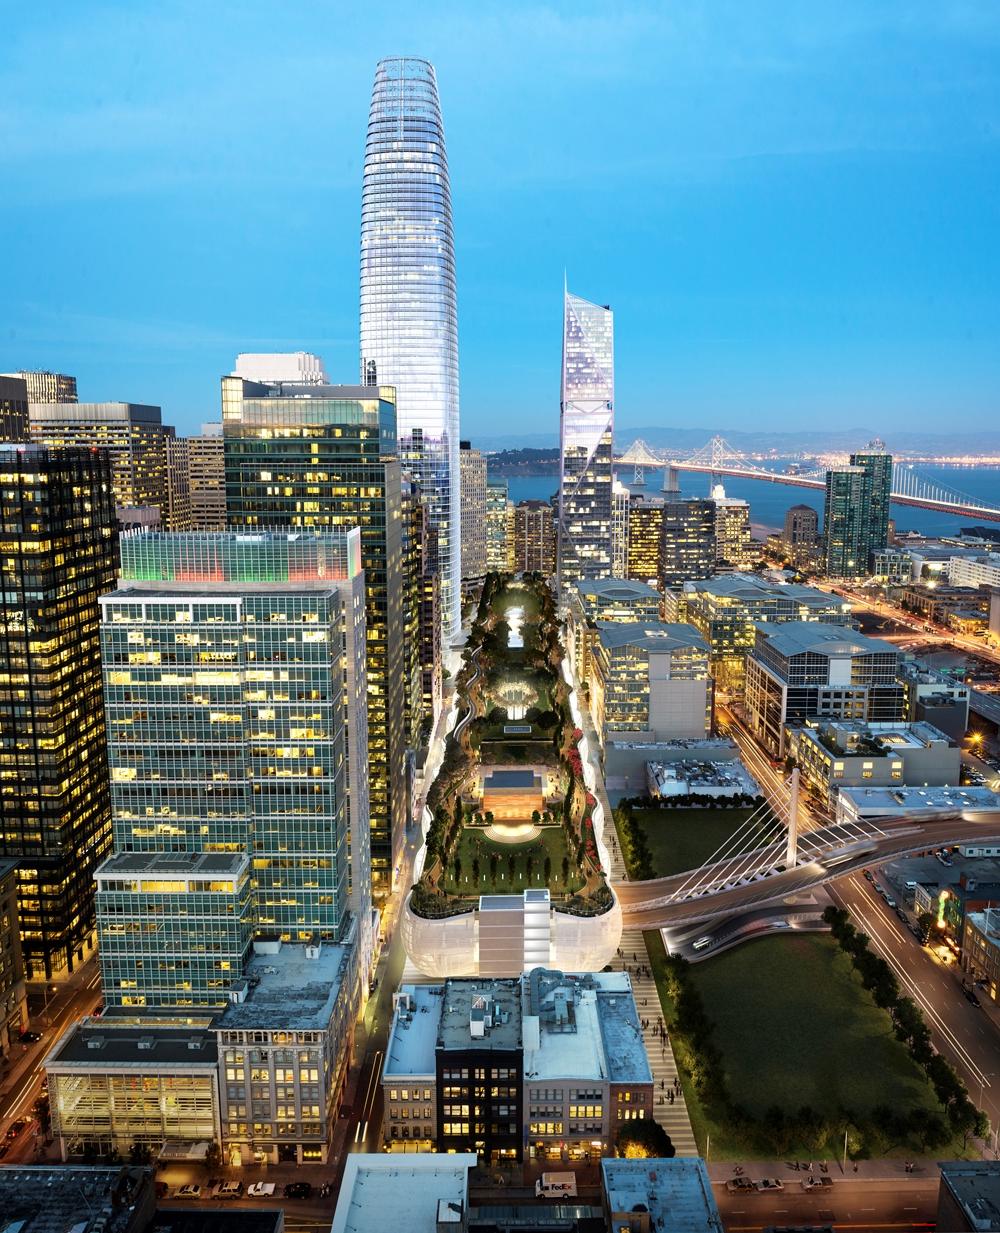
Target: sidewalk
{"x": 864, "y": 1170}
{"x": 634, "y": 958}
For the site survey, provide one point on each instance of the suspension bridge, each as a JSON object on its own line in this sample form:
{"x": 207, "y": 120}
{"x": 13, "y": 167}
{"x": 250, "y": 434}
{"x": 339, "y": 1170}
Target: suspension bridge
{"x": 719, "y": 458}
{"x": 767, "y": 860}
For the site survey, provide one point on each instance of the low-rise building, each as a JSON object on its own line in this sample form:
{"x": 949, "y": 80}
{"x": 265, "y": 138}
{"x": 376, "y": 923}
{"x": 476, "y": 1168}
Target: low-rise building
{"x": 423, "y": 1194}
{"x": 13, "y": 999}
{"x": 548, "y": 1065}
{"x": 969, "y": 1196}
{"x": 641, "y": 1196}
{"x": 113, "y": 1085}
{"x": 981, "y": 949}
{"x": 285, "y": 1045}
{"x": 700, "y": 777}
{"x": 923, "y": 804}
{"x": 935, "y": 697}
{"x": 76, "y": 1199}
{"x": 935, "y": 601}
{"x": 649, "y": 681}
{"x": 974, "y": 571}
{"x": 836, "y": 754}
{"x": 806, "y": 670}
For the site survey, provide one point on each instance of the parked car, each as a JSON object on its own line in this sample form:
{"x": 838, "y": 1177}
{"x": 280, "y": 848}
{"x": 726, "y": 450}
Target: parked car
{"x": 769, "y": 1183}
{"x": 190, "y": 1191}
{"x": 877, "y": 888}
{"x": 817, "y": 1183}
{"x": 868, "y": 874}
{"x": 30, "y": 1038}
{"x": 298, "y": 1190}
{"x": 228, "y": 1190}
{"x": 259, "y": 1190}
{"x": 735, "y": 1184}
{"x": 889, "y": 901}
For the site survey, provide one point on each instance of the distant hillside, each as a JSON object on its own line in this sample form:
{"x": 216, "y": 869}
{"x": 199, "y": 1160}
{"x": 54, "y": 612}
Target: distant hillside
{"x": 524, "y": 462}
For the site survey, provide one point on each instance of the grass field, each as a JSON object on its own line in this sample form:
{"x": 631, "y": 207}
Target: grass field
{"x": 682, "y": 839}
{"x": 551, "y": 842}
{"x": 796, "y": 1028}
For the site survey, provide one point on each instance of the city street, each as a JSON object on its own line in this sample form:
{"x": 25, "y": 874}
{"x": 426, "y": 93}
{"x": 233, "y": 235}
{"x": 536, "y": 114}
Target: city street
{"x": 963, "y": 1033}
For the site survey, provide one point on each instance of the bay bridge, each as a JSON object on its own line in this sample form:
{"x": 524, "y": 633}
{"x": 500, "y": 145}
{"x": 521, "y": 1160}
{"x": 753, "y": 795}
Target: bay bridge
{"x": 719, "y": 458}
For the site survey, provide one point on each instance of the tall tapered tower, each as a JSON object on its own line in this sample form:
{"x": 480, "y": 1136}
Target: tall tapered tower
{"x": 409, "y": 324}
{"x": 586, "y": 428}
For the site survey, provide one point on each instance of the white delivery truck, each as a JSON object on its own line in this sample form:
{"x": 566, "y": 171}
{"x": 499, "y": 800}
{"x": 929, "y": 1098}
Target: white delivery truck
{"x": 556, "y": 1186}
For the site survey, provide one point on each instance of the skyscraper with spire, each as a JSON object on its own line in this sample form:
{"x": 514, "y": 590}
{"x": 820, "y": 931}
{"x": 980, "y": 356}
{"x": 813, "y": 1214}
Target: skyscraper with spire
{"x": 409, "y": 324}
{"x": 586, "y": 429}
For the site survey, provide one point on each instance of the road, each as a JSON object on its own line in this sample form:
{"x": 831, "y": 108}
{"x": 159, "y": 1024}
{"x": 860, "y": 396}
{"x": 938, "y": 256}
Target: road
{"x": 965, "y": 1034}
{"x": 860, "y": 1203}
{"x": 649, "y": 905}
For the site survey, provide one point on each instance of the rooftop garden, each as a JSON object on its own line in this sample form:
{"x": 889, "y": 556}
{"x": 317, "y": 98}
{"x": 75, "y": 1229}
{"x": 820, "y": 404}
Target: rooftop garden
{"x": 513, "y": 711}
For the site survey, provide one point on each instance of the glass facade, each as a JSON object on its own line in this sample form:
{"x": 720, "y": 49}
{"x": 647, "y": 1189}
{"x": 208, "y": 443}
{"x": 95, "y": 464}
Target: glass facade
{"x": 848, "y": 495}
{"x": 326, "y": 456}
{"x": 58, "y": 553}
{"x": 473, "y": 512}
{"x": 235, "y": 696}
{"x": 586, "y": 428}
{"x": 409, "y": 320}
{"x": 499, "y": 528}
{"x": 688, "y": 551}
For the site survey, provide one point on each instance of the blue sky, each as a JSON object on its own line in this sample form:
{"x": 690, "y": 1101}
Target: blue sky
{"x": 793, "y": 208}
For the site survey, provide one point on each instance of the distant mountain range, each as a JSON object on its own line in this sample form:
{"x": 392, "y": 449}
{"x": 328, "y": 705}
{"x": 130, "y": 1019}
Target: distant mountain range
{"x": 687, "y": 440}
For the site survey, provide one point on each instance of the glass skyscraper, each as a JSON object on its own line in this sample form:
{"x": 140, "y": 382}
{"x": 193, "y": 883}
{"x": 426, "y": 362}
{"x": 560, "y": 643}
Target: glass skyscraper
{"x": 409, "y": 325}
{"x": 586, "y": 428}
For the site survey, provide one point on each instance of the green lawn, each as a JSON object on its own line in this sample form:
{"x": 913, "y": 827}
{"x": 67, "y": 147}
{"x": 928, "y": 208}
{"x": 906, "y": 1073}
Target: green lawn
{"x": 682, "y": 839}
{"x": 551, "y": 842}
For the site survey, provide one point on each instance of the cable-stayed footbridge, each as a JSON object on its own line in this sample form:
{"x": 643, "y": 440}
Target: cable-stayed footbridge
{"x": 718, "y": 457}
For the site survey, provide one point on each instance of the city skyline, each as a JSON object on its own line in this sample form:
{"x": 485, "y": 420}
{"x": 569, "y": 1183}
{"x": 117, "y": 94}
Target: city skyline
{"x": 784, "y": 270}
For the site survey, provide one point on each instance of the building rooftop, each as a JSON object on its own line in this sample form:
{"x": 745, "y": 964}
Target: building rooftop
{"x": 480, "y": 1014}
{"x": 751, "y": 588}
{"x": 421, "y": 1193}
{"x": 676, "y": 1193}
{"x": 414, "y": 1032}
{"x": 946, "y": 799}
{"x": 975, "y": 1187}
{"x": 210, "y": 1220}
{"x": 189, "y": 864}
{"x": 651, "y": 635}
{"x": 818, "y": 638}
{"x": 106, "y": 1044}
{"x": 617, "y": 589}
{"x": 75, "y": 1199}
{"x": 295, "y": 988}
{"x": 849, "y": 735}
{"x": 7, "y": 868}
{"x": 688, "y": 773}
{"x": 512, "y": 779}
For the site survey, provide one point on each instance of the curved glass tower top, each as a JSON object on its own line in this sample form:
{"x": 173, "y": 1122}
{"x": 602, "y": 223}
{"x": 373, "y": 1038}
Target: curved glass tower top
{"x": 409, "y": 325}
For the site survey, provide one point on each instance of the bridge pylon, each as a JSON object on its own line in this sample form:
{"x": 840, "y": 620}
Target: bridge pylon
{"x": 792, "y": 850}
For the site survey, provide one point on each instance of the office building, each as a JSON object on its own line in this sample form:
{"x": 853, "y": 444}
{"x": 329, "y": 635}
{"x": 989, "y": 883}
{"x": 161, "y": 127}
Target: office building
{"x": 603, "y": 599}
{"x": 935, "y": 698}
{"x": 174, "y": 928}
{"x": 285, "y": 1045}
{"x": 969, "y": 572}
{"x": 59, "y": 555}
{"x": 409, "y": 318}
{"x": 422, "y": 616}
{"x": 473, "y": 476}
{"x": 499, "y": 528}
{"x": 675, "y": 1194}
{"x": 50, "y": 1199}
{"x": 800, "y": 534}
{"x": 688, "y": 551}
{"x": 207, "y": 479}
{"x": 326, "y": 456}
{"x": 13, "y": 409}
{"x": 112, "y": 1085}
{"x": 620, "y": 502}
{"x": 732, "y": 531}
{"x": 586, "y": 430}
{"x": 806, "y": 670}
{"x": 13, "y": 999}
{"x": 432, "y": 1189}
{"x": 46, "y": 386}
{"x": 837, "y": 753}
{"x": 179, "y": 512}
{"x": 133, "y": 435}
{"x": 644, "y": 558}
{"x": 262, "y": 755}
{"x": 277, "y": 367}
{"x": 727, "y": 610}
{"x": 534, "y": 538}
{"x": 649, "y": 682}
{"x": 856, "y": 513}
{"x": 568, "y": 1060}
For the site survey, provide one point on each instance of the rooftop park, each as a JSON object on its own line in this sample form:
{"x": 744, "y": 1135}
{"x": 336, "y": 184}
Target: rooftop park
{"x": 509, "y": 806}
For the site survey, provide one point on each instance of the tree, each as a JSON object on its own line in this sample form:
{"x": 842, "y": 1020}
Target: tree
{"x": 565, "y": 870}
{"x": 213, "y": 1156}
{"x": 547, "y": 868}
{"x": 475, "y": 869}
{"x": 458, "y": 870}
{"x": 536, "y": 817}
{"x": 511, "y": 865}
{"x": 982, "y": 1127}
{"x": 529, "y": 866}
{"x": 644, "y": 1139}
{"x": 494, "y": 865}
{"x": 926, "y": 922}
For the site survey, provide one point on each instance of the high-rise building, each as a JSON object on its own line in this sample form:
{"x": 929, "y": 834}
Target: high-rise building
{"x": 688, "y": 541}
{"x": 534, "y": 537}
{"x": 180, "y": 516}
{"x": 421, "y": 615}
{"x": 259, "y": 756}
{"x": 500, "y": 528}
{"x": 620, "y": 506}
{"x": 13, "y": 1001}
{"x": 207, "y": 479}
{"x": 58, "y": 555}
{"x": 325, "y": 456}
{"x": 644, "y": 561}
{"x": 586, "y": 429}
{"x": 46, "y": 386}
{"x": 133, "y": 435}
{"x": 473, "y": 475}
{"x": 732, "y": 530}
{"x": 13, "y": 409}
{"x": 856, "y": 512}
{"x": 409, "y": 317}
{"x": 801, "y": 532}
